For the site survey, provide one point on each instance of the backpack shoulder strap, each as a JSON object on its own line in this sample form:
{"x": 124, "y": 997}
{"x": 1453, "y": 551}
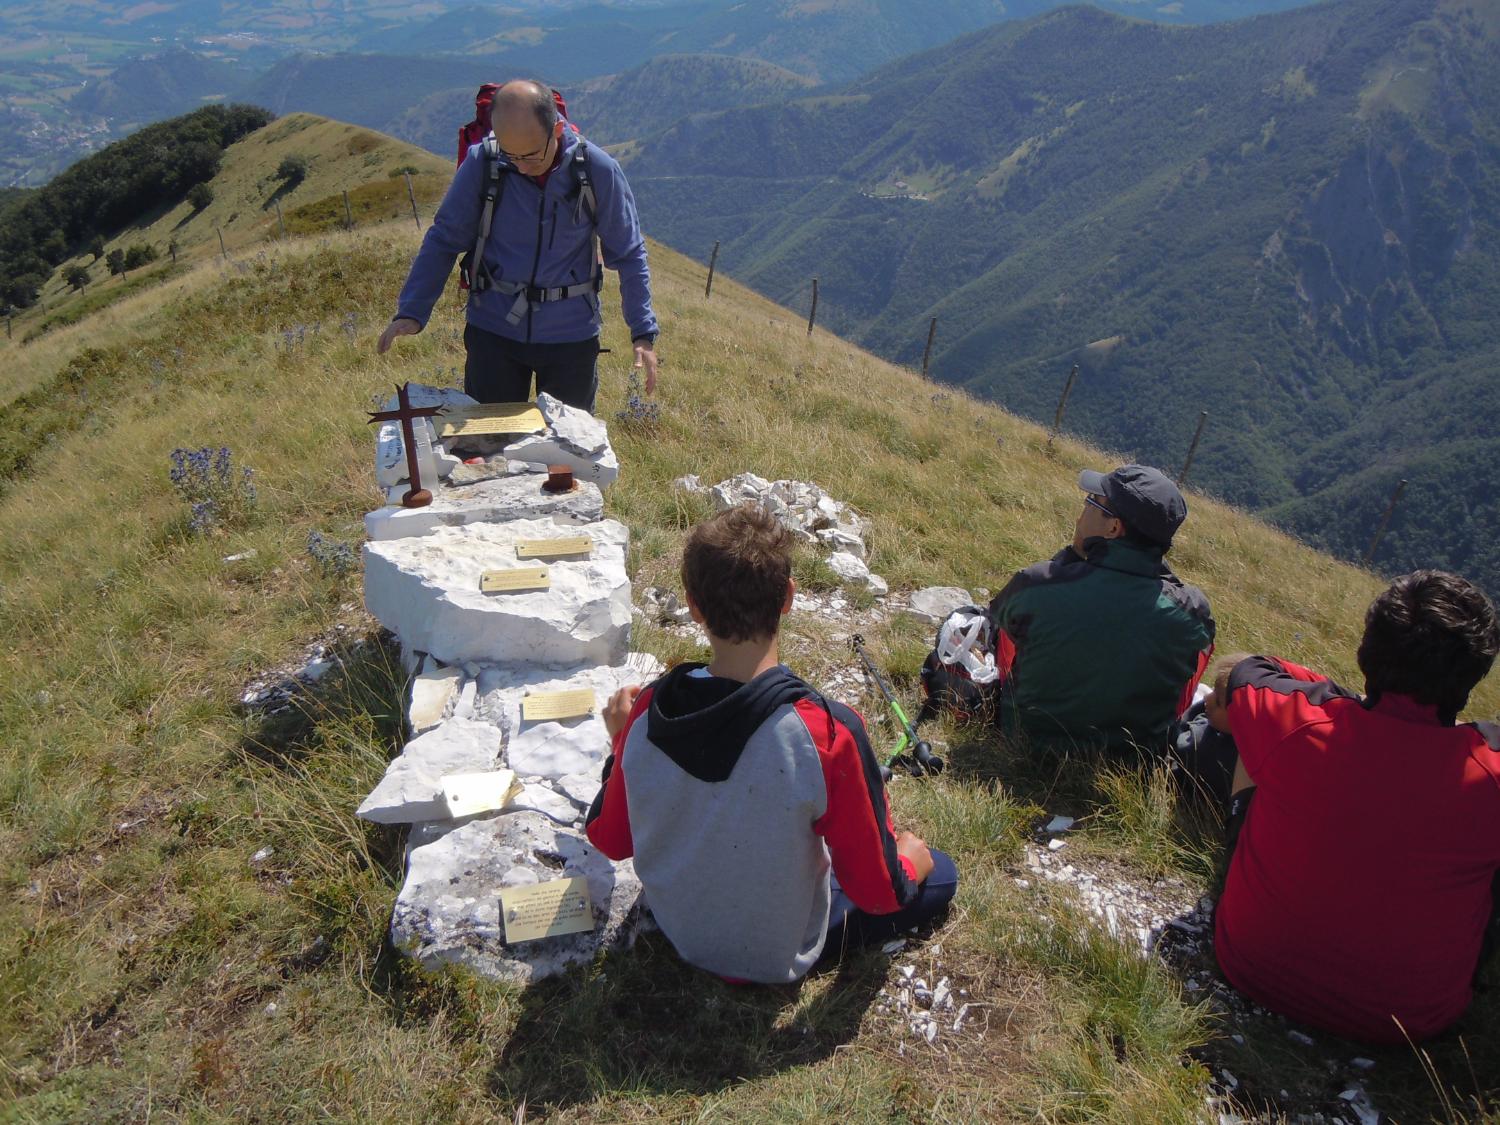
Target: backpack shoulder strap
{"x": 587, "y": 203}
{"x": 493, "y": 190}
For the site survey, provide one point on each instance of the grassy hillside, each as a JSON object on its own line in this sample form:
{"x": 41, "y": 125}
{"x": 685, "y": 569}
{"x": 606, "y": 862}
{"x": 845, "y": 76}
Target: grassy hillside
{"x": 192, "y": 922}
{"x": 246, "y": 191}
{"x": 1289, "y": 221}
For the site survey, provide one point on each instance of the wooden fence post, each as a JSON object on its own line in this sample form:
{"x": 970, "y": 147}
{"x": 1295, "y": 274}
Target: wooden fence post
{"x": 1385, "y": 520}
{"x": 1062, "y": 404}
{"x": 927, "y": 352}
{"x": 812, "y": 314}
{"x": 713, "y": 260}
{"x": 348, "y": 214}
{"x": 1192, "y": 449}
{"x": 412, "y": 195}
{"x": 280, "y": 222}
{"x": 223, "y": 252}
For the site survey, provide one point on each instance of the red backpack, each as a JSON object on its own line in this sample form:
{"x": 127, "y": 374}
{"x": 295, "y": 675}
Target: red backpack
{"x": 476, "y": 130}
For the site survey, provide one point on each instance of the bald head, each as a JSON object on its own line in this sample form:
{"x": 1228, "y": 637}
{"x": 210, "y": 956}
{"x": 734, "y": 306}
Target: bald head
{"x": 525, "y": 98}
{"x": 527, "y": 127}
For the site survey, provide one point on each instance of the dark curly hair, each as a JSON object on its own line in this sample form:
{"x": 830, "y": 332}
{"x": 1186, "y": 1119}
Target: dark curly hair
{"x": 1432, "y": 636}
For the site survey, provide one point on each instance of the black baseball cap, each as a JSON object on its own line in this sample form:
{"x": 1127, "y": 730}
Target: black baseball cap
{"x": 1145, "y": 498}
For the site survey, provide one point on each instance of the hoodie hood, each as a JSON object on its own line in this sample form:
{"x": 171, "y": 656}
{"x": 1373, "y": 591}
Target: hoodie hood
{"x": 703, "y": 723}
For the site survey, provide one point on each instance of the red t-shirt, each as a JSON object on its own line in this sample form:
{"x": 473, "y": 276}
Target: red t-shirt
{"x": 1361, "y": 884}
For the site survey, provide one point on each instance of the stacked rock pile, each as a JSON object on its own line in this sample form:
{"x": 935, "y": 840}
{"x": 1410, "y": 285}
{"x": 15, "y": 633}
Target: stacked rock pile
{"x": 807, "y": 512}
{"x": 478, "y": 656}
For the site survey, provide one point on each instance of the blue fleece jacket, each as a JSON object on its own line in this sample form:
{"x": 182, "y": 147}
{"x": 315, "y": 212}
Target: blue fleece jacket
{"x": 538, "y": 237}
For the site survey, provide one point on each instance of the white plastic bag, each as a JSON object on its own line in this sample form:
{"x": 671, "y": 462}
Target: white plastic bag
{"x": 963, "y": 639}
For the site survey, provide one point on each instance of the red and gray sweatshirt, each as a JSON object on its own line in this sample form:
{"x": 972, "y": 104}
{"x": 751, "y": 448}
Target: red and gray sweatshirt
{"x": 735, "y": 799}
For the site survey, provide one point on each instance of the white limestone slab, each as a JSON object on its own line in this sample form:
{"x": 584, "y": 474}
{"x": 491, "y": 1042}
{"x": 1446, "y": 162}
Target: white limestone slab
{"x": 425, "y": 589}
{"x": 574, "y": 438}
{"x": 411, "y": 790}
{"x": 448, "y": 911}
{"x": 495, "y": 500}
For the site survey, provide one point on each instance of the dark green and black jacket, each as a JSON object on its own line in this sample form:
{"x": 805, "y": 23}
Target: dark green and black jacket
{"x": 1106, "y": 648}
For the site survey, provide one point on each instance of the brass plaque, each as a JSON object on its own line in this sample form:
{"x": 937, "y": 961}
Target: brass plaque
{"x": 551, "y": 909}
{"x": 554, "y": 548}
{"x": 490, "y": 418}
{"x": 557, "y": 704}
{"x": 515, "y": 578}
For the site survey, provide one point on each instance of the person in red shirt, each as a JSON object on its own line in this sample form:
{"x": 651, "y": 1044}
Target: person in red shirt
{"x": 1361, "y": 887}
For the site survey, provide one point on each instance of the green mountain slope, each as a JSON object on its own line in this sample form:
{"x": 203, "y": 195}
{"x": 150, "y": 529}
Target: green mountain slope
{"x": 1280, "y": 220}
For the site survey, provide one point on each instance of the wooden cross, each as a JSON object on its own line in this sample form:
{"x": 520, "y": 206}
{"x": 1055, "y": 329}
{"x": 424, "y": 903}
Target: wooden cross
{"x": 416, "y": 496}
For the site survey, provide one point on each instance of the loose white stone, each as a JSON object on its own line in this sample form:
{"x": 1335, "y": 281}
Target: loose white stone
{"x": 878, "y": 585}
{"x": 464, "y": 708}
{"x": 838, "y": 539}
{"x": 448, "y": 911}
{"x": 1361, "y": 1063}
{"x": 934, "y": 603}
{"x": 432, "y": 691}
{"x": 1056, "y": 845}
{"x": 574, "y": 438}
{"x": 1300, "y": 1038}
{"x": 498, "y": 500}
{"x": 1059, "y": 824}
{"x": 848, "y": 568}
{"x": 426, "y": 590}
{"x": 411, "y": 790}
{"x": 689, "y": 483}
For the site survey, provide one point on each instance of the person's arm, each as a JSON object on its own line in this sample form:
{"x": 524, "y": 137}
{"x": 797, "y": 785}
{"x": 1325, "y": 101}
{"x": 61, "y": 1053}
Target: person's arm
{"x": 624, "y": 247}
{"x": 877, "y": 870}
{"x": 452, "y": 233}
{"x": 608, "y": 822}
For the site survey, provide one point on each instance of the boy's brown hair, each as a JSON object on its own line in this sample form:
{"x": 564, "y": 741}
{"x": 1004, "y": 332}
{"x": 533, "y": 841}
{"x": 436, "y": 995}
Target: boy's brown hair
{"x": 735, "y": 568}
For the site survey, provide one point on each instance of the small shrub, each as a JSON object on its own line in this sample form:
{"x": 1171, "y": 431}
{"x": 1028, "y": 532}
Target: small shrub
{"x": 77, "y": 277}
{"x": 216, "y": 492}
{"x": 334, "y": 558}
{"x": 639, "y": 414}
{"x": 200, "y": 196}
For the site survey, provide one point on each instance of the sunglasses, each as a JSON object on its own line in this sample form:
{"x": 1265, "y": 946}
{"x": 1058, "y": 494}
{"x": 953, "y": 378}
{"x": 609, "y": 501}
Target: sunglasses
{"x": 530, "y": 156}
{"x": 1092, "y": 503}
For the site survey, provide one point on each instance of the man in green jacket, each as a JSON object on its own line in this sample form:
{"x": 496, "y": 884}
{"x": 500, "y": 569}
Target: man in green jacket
{"x": 1103, "y": 644}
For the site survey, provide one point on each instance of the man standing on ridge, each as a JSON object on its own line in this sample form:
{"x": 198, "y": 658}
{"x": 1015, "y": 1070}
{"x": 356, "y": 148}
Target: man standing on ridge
{"x": 535, "y": 278}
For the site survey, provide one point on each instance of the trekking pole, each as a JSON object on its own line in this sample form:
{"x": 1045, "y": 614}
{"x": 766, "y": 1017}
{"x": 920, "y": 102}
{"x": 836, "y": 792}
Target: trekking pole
{"x": 923, "y": 762}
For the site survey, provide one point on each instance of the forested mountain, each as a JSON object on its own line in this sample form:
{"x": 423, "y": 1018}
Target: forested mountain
{"x": 158, "y": 86}
{"x": 1291, "y": 221}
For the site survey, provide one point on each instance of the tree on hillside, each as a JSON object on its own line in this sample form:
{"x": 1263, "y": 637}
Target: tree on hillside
{"x": 200, "y": 196}
{"x": 96, "y": 247}
{"x": 115, "y": 260}
{"x": 139, "y": 254}
{"x": 77, "y": 276}
{"x": 292, "y": 169}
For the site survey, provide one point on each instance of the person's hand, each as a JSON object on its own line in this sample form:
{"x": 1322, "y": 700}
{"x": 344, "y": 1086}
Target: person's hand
{"x": 401, "y": 326}
{"x": 617, "y": 710}
{"x": 645, "y": 357}
{"x": 913, "y": 848}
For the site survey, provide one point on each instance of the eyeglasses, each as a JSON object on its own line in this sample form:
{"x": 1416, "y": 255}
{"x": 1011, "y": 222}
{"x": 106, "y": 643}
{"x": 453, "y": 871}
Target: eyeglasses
{"x": 530, "y": 156}
{"x": 1092, "y": 503}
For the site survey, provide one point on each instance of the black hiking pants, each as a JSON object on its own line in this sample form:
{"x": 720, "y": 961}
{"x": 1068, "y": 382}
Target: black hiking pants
{"x": 500, "y": 370}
